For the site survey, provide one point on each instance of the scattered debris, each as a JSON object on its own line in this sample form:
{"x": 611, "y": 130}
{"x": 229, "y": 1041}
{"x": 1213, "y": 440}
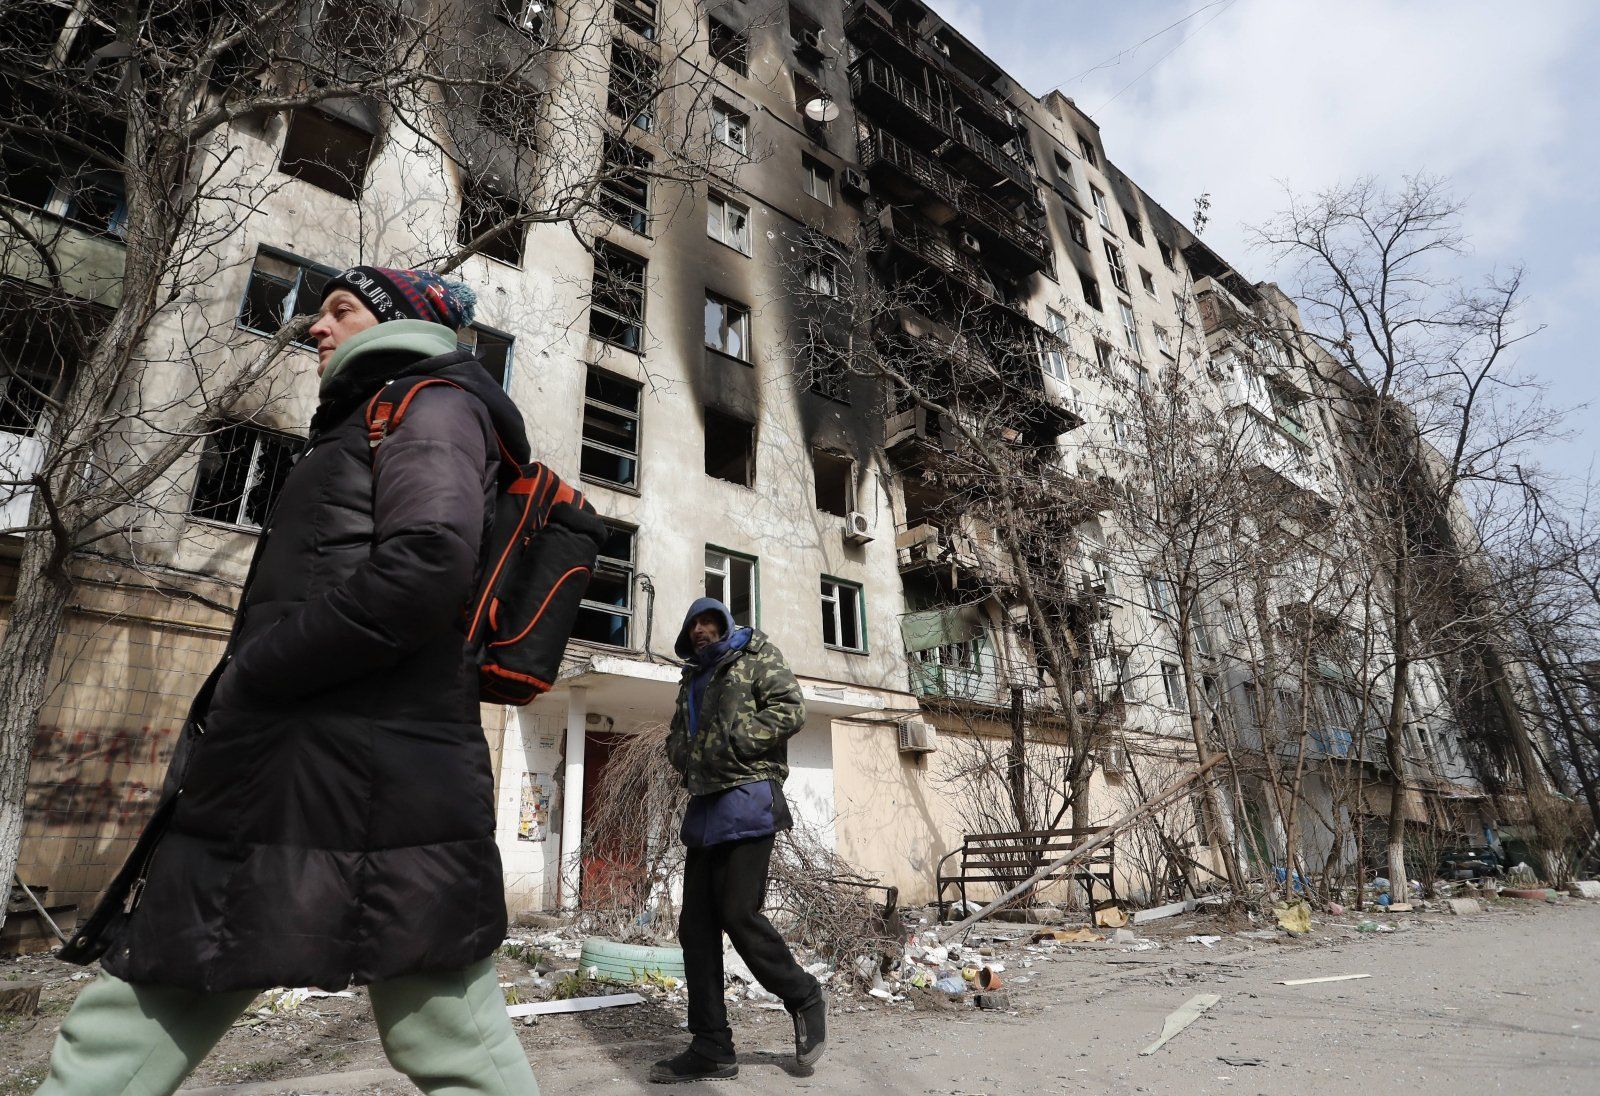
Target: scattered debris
{"x": 993, "y": 1002}
{"x": 1073, "y": 936}
{"x": 1226, "y": 1060}
{"x": 1208, "y": 941}
{"x": 1329, "y": 978}
{"x": 1584, "y": 888}
{"x": 574, "y": 1004}
{"x": 1461, "y": 906}
{"x": 1158, "y": 912}
{"x": 1293, "y": 917}
{"x": 1182, "y": 1018}
{"x": 19, "y": 998}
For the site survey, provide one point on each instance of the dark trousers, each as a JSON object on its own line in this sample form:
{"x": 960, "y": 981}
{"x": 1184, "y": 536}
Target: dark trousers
{"x": 724, "y": 887}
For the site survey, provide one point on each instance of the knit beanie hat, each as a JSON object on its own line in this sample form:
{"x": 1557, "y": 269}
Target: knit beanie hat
{"x": 408, "y": 295}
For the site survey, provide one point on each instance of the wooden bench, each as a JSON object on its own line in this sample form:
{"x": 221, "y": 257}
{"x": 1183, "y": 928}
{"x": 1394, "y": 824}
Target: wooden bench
{"x": 1009, "y": 858}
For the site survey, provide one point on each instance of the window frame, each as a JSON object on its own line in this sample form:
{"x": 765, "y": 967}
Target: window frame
{"x": 604, "y": 406}
{"x": 1055, "y": 323}
{"x": 1102, "y": 211}
{"x": 1134, "y": 225}
{"x": 735, "y": 57}
{"x": 628, "y": 571}
{"x": 610, "y": 200}
{"x": 1090, "y": 285}
{"x": 515, "y": 239}
{"x": 291, "y": 299}
{"x": 357, "y": 185}
{"x": 730, "y": 557}
{"x": 257, "y": 435}
{"x": 710, "y": 430}
{"x": 859, "y": 602}
{"x": 1077, "y": 231}
{"x": 1119, "y": 267}
{"x": 1086, "y": 150}
{"x": 730, "y": 308}
{"x": 638, "y": 323}
{"x": 717, "y": 200}
{"x": 644, "y": 118}
{"x": 817, "y": 172}
{"x": 723, "y": 118}
{"x": 1130, "y": 328}
{"x": 646, "y": 13}
{"x": 478, "y": 331}
{"x": 1172, "y": 686}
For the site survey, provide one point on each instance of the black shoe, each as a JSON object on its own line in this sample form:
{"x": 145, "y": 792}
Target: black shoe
{"x": 811, "y": 1031}
{"x": 691, "y": 1065}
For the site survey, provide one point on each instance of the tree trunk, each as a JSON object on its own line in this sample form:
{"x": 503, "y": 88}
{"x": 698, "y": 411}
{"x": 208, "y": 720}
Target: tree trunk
{"x": 1395, "y": 750}
{"x": 26, "y": 658}
{"x": 1017, "y": 763}
{"x": 1220, "y": 833}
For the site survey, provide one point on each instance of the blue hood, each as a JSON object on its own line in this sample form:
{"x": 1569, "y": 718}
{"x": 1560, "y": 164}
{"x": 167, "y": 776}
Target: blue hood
{"x": 683, "y": 648}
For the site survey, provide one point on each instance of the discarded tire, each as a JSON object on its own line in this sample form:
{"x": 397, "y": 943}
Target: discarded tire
{"x": 629, "y": 962}
{"x": 1535, "y": 894}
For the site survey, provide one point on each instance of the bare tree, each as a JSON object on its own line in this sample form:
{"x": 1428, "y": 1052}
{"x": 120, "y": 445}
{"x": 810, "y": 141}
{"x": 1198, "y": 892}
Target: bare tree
{"x": 138, "y": 140}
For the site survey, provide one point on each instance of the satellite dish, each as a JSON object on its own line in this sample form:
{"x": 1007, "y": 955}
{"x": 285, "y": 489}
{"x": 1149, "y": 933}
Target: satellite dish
{"x": 822, "y": 110}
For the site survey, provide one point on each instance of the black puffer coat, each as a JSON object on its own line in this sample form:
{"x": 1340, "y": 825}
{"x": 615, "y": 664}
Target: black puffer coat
{"x": 335, "y": 822}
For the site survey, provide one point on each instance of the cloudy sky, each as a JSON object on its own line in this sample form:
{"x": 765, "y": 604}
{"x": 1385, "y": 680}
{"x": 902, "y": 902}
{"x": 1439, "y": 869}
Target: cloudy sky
{"x": 1247, "y": 96}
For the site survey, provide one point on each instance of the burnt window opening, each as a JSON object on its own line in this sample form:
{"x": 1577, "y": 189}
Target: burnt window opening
{"x": 827, "y": 372}
{"x": 1148, "y": 280}
{"x": 727, "y": 327}
{"x": 1168, "y": 260}
{"x": 730, "y": 46}
{"x": 1104, "y": 356}
{"x": 639, "y": 16}
{"x": 1135, "y": 228}
{"x": 509, "y": 109}
{"x": 1091, "y": 291}
{"x": 491, "y": 348}
{"x": 624, "y": 191}
{"x": 484, "y": 209}
{"x": 805, "y": 34}
{"x": 1076, "y": 231}
{"x": 36, "y": 364}
{"x": 835, "y": 476}
{"x": 610, "y": 429}
{"x": 242, "y": 469}
{"x": 64, "y": 184}
{"x": 605, "y": 615}
{"x": 730, "y": 448}
{"x": 822, "y": 273}
{"x": 280, "y": 289}
{"x": 1086, "y": 147}
{"x": 635, "y": 82}
{"x": 35, "y": 27}
{"x": 616, "y": 298}
{"x": 327, "y": 153}
{"x": 1119, "y": 272}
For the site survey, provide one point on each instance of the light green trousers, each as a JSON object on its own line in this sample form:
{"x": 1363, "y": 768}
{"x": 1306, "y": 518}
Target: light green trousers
{"x": 448, "y": 1032}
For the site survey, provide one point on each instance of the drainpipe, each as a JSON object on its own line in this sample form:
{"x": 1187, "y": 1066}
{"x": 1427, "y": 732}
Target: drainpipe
{"x": 572, "y": 797}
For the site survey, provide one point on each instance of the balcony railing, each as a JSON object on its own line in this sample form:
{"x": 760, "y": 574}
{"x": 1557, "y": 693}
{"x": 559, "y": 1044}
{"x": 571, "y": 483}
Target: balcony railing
{"x": 868, "y": 19}
{"x": 878, "y": 147}
{"x": 871, "y": 74}
{"x": 926, "y": 244}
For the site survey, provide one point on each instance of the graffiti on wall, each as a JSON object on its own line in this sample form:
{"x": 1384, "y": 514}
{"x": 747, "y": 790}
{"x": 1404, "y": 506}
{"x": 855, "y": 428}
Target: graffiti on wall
{"x": 93, "y": 777}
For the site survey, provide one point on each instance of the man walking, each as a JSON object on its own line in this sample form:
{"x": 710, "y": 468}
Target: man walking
{"x": 328, "y": 819}
{"x": 737, "y": 708}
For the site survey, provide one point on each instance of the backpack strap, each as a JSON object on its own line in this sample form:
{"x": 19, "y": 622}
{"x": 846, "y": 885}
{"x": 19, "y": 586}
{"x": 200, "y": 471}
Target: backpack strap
{"x": 388, "y": 408}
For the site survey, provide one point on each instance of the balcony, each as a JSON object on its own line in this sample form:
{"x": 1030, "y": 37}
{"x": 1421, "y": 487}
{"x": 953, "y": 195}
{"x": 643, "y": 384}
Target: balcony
{"x": 870, "y": 25}
{"x": 884, "y": 92}
{"x": 930, "y": 247}
{"x": 90, "y": 262}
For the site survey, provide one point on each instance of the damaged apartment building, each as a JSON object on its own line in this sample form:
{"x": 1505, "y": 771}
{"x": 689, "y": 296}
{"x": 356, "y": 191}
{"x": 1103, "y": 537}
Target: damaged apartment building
{"x": 662, "y": 359}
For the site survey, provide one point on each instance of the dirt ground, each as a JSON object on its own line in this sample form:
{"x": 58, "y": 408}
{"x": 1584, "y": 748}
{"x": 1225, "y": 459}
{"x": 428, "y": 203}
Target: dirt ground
{"x": 1505, "y": 1001}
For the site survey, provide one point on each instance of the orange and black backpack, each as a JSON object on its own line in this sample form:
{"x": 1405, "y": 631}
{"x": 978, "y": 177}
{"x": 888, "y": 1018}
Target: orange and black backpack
{"x": 542, "y": 547}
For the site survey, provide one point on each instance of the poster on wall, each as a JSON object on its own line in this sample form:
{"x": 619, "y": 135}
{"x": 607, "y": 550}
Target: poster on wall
{"x": 533, "y": 823}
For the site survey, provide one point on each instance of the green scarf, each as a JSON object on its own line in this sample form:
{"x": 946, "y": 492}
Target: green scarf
{"x": 419, "y": 337}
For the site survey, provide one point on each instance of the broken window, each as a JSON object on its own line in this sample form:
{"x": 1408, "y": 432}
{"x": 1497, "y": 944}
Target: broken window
{"x": 616, "y": 299}
{"x": 835, "y": 476}
{"x": 635, "y": 82}
{"x": 280, "y": 289}
{"x": 606, "y": 612}
{"x": 805, "y": 33}
{"x": 822, "y": 273}
{"x": 728, "y": 327}
{"x": 1102, "y": 212}
{"x": 1130, "y": 327}
{"x": 1119, "y": 273}
{"x": 36, "y": 361}
{"x": 1163, "y": 341}
{"x": 1135, "y": 228}
{"x": 843, "y": 626}
{"x": 827, "y": 371}
{"x": 730, "y": 128}
{"x": 1055, "y": 345}
{"x": 1172, "y": 684}
{"x": 509, "y": 108}
{"x": 728, "y": 222}
{"x": 62, "y": 182}
{"x": 730, "y": 46}
{"x": 731, "y": 579}
{"x": 1148, "y": 280}
{"x": 491, "y": 348}
{"x": 242, "y": 469}
{"x": 1167, "y": 258}
{"x": 624, "y": 191}
{"x": 1076, "y": 230}
{"x": 1086, "y": 147}
{"x": 483, "y": 209}
{"x": 528, "y": 16}
{"x": 327, "y": 152}
{"x": 638, "y": 16}
{"x": 610, "y": 429}
{"x": 730, "y": 448}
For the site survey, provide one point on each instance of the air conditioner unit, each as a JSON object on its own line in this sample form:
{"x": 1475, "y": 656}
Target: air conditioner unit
{"x": 968, "y": 242}
{"x": 854, "y": 181}
{"x": 857, "y": 528}
{"x": 918, "y": 736}
{"x": 1113, "y": 760}
{"x": 809, "y": 41}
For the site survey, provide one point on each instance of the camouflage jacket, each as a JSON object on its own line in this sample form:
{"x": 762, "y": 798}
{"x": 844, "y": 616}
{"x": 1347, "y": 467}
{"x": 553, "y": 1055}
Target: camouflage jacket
{"x": 752, "y": 706}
